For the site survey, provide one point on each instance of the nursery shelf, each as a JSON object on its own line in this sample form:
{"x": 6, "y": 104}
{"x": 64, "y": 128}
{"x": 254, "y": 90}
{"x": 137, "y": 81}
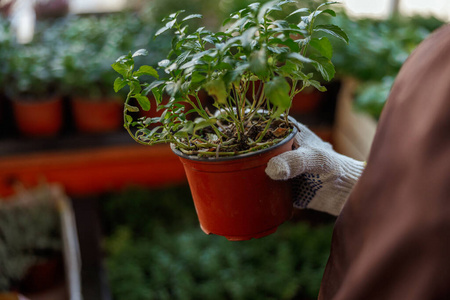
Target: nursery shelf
{"x": 91, "y": 164}
{"x": 87, "y": 164}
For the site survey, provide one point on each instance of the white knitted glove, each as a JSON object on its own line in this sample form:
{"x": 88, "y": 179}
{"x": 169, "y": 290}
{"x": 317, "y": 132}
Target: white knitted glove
{"x": 322, "y": 178}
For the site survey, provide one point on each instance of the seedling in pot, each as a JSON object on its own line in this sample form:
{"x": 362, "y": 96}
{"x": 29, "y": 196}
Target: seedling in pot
{"x": 252, "y": 69}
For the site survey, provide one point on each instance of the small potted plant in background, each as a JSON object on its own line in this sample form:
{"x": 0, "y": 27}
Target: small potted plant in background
{"x": 32, "y": 85}
{"x": 84, "y": 52}
{"x": 225, "y": 152}
{"x": 30, "y": 242}
{"x": 94, "y": 108}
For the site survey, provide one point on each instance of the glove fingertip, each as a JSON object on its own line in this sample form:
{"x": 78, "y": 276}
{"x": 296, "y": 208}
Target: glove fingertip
{"x": 278, "y": 169}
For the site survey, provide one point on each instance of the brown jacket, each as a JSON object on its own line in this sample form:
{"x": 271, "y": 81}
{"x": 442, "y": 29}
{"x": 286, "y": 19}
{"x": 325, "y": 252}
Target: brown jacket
{"x": 392, "y": 239}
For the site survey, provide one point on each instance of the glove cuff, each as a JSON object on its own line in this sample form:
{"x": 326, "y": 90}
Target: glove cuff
{"x": 330, "y": 198}
{"x": 351, "y": 171}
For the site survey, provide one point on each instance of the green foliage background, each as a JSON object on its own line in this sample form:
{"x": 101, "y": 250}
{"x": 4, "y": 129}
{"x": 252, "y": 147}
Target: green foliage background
{"x": 376, "y": 51}
{"x": 156, "y": 250}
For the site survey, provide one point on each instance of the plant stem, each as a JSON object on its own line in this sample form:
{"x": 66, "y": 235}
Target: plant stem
{"x": 203, "y": 113}
{"x": 263, "y": 133}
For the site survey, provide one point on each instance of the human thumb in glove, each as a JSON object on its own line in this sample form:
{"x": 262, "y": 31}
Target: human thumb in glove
{"x": 322, "y": 179}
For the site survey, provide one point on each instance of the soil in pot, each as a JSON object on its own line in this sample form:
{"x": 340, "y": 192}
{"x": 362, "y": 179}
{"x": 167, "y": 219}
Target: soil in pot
{"x": 234, "y": 197}
{"x": 38, "y": 117}
{"x": 97, "y": 115}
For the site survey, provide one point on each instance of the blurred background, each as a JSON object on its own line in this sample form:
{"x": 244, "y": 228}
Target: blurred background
{"x": 87, "y": 213}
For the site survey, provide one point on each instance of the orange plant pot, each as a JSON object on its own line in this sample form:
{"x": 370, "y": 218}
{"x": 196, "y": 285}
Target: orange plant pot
{"x": 97, "y": 115}
{"x": 38, "y": 118}
{"x": 235, "y": 198}
{"x": 306, "y": 101}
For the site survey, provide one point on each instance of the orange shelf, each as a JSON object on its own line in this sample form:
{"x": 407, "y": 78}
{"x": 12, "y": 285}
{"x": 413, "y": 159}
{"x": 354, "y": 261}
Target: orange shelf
{"x": 90, "y": 171}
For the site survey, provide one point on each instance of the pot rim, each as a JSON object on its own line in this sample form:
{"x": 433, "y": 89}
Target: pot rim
{"x": 34, "y": 100}
{"x": 239, "y": 156}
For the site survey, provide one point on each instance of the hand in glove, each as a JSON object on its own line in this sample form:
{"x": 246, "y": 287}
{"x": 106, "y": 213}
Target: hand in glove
{"x": 322, "y": 178}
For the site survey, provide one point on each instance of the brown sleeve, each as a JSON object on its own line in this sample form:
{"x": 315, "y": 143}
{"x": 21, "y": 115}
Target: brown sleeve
{"x": 392, "y": 239}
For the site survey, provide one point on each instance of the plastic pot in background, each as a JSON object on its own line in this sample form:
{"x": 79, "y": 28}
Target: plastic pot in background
{"x": 38, "y": 117}
{"x": 234, "y": 197}
{"x": 97, "y": 115}
{"x": 51, "y": 8}
{"x": 306, "y": 101}
{"x": 43, "y": 275}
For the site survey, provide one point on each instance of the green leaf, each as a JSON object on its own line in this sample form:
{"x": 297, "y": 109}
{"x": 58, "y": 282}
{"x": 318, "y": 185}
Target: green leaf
{"x": 319, "y": 12}
{"x": 247, "y": 37}
{"x": 119, "y": 84}
{"x": 121, "y": 68}
{"x": 278, "y": 50}
{"x": 327, "y": 3}
{"x": 135, "y": 87}
{"x": 157, "y": 94}
{"x": 197, "y": 77}
{"x": 317, "y": 85}
{"x": 217, "y": 89}
{"x": 289, "y": 68}
{"x": 286, "y": 2}
{"x": 329, "y": 11}
{"x": 258, "y": 63}
{"x": 174, "y": 15}
{"x": 333, "y": 30}
{"x": 152, "y": 85}
{"x": 143, "y": 102}
{"x": 173, "y": 88}
{"x": 267, "y": 8}
{"x": 185, "y": 130}
{"x": 140, "y": 52}
{"x": 298, "y": 11}
{"x": 324, "y": 66}
{"x": 170, "y": 24}
{"x": 182, "y": 57}
{"x": 129, "y": 119}
{"x": 322, "y": 45}
{"x": 193, "y": 16}
{"x": 233, "y": 75}
{"x": 131, "y": 108}
{"x": 203, "y": 123}
{"x": 161, "y": 31}
{"x": 164, "y": 63}
{"x": 227, "y": 20}
{"x": 146, "y": 70}
{"x": 293, "y": 46}
{"x": 277, "y": 91}
{"x": 299, "y": 57}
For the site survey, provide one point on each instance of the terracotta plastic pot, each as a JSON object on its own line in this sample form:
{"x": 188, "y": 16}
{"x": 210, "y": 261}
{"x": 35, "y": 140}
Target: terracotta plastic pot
{"x": 306, "y": 101}
{"x": 234, "y": 197}
{"x": 43, "y": 275}
{"x": 97, "y": 115}
{"x": 39, "y": 117}
{"x": 51, "y": 8}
